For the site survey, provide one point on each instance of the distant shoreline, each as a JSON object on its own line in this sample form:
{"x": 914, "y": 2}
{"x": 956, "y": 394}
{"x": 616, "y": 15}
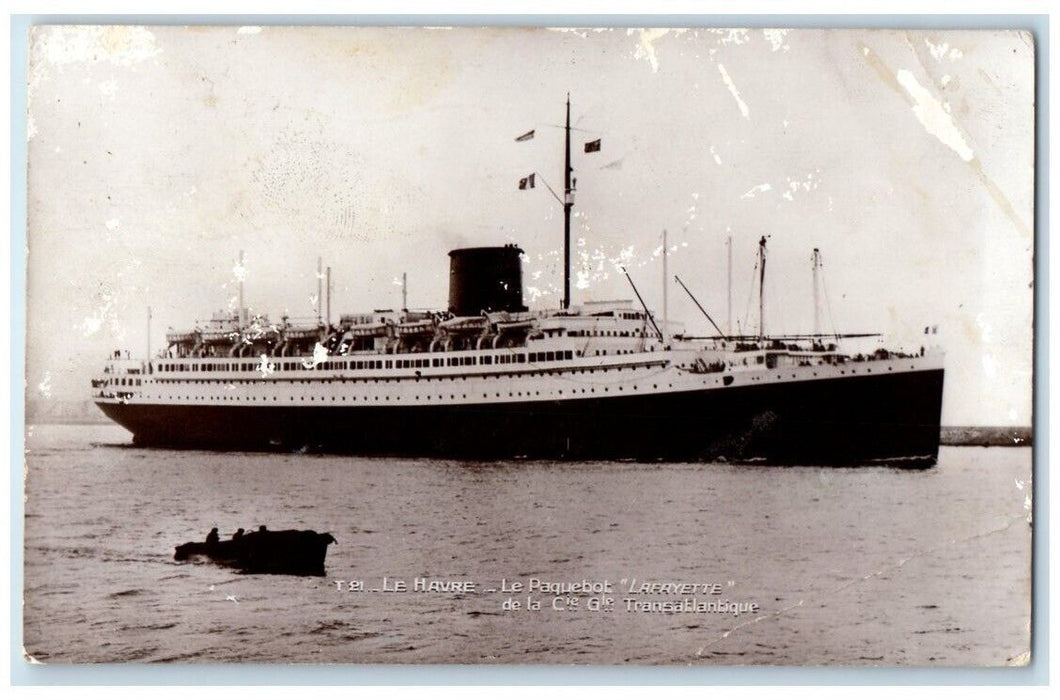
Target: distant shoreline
{"x": 982, "y": 436}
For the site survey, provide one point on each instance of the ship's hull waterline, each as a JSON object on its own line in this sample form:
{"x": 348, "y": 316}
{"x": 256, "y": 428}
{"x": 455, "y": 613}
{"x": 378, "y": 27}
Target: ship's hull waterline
{"x": 843, "y": 421}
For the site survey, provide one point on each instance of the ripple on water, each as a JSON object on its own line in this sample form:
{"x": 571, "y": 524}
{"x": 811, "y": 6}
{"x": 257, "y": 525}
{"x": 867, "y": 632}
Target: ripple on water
{"x": 805, "y": 544}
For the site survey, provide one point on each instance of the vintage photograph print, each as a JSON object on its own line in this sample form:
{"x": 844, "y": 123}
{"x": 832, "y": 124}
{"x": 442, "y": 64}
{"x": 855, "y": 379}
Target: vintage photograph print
{"x": 529, "y": 346}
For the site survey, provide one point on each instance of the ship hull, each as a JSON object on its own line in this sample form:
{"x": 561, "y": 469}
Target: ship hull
{"x": 841, "y": 421}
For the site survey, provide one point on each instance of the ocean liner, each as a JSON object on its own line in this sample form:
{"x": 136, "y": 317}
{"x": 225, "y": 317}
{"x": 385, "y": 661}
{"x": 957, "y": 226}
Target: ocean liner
{"x": 488, "y": 377}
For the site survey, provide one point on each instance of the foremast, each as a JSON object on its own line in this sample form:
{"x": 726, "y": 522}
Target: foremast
{"x": 568, "y": 204}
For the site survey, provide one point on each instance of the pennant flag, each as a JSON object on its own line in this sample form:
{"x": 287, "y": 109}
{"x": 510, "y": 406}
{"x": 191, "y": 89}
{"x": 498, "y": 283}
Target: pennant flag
{"x": 526, "y": 137}
{"x": 527, "y": 183}
{"x": 592, "y": 146}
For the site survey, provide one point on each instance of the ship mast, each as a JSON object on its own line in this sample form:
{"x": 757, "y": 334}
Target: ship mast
{"x": 762, "y": 289}
{"x": 320, "y": 289}
{"x": 568, "y": 204}
{"x": 816, "y": 292}
{"x": 666, "y": 309}
{"x": 242, "y": 274}
{"x": 728, "y": 321}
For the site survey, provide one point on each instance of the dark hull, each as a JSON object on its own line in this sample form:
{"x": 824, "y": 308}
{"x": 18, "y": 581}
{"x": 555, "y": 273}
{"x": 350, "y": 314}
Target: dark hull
{"x": 292, "y": 552}
{"x": 851, "y": 420}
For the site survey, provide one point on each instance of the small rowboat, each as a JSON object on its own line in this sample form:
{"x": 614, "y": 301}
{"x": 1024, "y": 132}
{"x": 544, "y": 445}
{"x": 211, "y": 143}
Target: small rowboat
{"x": 293, "y": 552}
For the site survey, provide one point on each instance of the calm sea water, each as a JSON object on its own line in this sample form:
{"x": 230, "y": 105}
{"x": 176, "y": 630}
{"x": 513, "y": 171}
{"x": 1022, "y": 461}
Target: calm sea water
{"x": 867, "y": 566}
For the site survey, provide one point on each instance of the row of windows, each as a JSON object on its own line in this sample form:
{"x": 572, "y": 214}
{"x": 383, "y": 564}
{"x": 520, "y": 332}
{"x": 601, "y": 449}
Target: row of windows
{"x": 121, "y": 381}
{"x": 610, "y": 334}
{"x": 136, "y": 382}
{"x": 385, "y": 380}
{"x": 426, "y": 397}
{"x": 550, "y": 356}
{"x": 465, "y": 361}
{"x": 278, "y": 365}
{"x": 398, "y": 380}
{"x": 468, "y": 360}
{"x": 617, "y": 352}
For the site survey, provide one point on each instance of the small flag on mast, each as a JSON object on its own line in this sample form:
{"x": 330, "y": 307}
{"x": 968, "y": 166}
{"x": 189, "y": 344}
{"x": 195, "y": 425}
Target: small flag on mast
{"x": 525, "y": 137}
{"x": 592, "y": 146}
{"x": 527, "y": 183}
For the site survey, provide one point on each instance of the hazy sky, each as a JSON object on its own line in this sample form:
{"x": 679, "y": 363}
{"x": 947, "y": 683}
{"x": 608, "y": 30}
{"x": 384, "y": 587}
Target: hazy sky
{"x": 157, "y": 154}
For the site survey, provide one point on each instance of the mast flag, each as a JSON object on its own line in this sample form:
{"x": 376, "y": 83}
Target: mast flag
{"x": 592, "y": 146}
{"x": 569, "y": 184}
